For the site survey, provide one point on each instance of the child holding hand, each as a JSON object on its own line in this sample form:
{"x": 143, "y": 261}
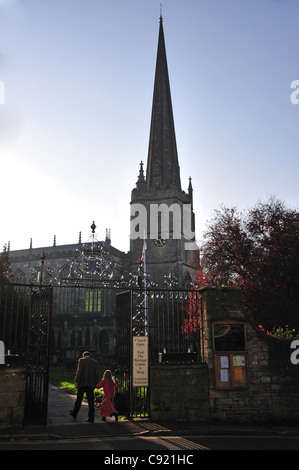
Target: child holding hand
{"x": 109, "y": 386}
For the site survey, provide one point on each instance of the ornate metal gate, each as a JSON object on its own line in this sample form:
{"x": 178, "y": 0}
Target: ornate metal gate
{"x": 25, "y": 320}
{"x": 130, "y": 322}
{"x": 170, "y": 319}
{"x": 37, "y": 362}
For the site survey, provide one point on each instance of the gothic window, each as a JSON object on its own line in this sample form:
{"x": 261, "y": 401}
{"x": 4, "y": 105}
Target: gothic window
{"x": 93, "y": 300}
{"x": 87, "y": 337}
{"x": 73, "y": 339}
{"x": 104, "y": 342}
{"x": 230, "y": 355}
{"x": 80, "y": 338}
{"x": 59, "y": 340}
{"x": 68, "y": 299}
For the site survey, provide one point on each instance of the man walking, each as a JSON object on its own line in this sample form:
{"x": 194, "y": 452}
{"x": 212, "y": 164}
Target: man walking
{"x": 86, "y": 379}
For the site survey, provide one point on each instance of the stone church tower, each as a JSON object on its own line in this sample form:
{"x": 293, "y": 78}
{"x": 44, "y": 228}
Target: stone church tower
{"x": 161, "y": 212}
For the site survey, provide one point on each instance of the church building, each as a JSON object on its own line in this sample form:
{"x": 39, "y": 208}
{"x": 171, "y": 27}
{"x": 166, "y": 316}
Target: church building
{"x": 162, "y": 243}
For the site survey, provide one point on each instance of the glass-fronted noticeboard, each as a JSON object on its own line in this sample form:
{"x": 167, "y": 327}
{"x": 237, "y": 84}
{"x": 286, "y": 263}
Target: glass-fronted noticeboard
{"x": 230, "y": 355}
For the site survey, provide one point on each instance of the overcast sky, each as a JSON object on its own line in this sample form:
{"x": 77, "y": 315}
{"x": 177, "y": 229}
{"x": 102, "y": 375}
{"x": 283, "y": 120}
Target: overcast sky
{"x": 76, "y": 86}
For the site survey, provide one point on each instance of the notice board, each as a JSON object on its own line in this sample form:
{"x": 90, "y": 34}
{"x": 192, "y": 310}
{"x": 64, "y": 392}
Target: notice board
{"x": 140, "y": 361}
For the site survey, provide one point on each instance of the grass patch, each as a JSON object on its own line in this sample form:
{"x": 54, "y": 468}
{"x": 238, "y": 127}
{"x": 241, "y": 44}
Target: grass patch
{"x": 63, "y": 378}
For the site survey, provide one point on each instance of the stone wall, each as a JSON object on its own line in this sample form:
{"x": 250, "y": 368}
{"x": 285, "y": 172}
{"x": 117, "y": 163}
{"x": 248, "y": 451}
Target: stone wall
{"x": 189, "y": 392}
{"x": 179, "y": 392}
{"x": 12, "y": 396}
{"x": 273, "y": 390}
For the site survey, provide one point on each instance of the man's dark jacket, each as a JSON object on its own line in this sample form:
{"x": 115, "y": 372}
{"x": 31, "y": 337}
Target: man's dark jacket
{"x": 87, "y": 373}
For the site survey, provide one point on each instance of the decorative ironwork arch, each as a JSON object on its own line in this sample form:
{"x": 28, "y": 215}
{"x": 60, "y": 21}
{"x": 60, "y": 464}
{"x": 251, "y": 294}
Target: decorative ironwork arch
{"x": 91, "y": 265}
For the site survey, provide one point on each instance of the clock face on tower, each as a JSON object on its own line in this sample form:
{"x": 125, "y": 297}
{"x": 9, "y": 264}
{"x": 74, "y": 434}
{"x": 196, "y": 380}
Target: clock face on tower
{"x": 159, "y": 242}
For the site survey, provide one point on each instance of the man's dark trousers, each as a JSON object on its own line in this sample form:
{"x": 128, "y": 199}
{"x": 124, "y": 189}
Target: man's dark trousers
{"x": 90, "y": 398}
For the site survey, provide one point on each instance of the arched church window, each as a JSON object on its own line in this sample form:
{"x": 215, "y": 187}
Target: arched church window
{"x": 93, "y": 300}
{"x": 87, "y": 337}
{"x": 79, "y": 338}
{"x": 59, "y": 339}
{"x": 104, "y": 341}
{"x": 73, "y": 339}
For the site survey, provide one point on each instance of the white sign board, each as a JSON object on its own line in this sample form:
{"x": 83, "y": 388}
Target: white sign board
{"x": 140, "y": 361}
{"x": 2, "y": 353}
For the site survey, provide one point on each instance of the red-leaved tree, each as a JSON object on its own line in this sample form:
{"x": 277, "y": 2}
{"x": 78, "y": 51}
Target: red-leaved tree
{"x": 258, "y": 251}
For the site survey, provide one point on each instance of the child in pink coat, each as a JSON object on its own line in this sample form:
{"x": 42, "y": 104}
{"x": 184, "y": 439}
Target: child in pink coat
{"x": 109, "y": 386}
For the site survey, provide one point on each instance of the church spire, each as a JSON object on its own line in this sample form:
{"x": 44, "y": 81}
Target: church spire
{"x": 163, "y": 170}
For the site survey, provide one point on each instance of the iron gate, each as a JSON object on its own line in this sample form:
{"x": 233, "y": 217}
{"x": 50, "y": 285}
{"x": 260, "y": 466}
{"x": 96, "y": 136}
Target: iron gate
{"x": 171, "y": 320}
{"x": 131, "y": 401}
{"x": 25, "y": 319}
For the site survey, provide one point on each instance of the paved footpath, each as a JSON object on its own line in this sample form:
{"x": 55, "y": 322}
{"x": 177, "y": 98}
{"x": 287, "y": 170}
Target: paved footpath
{"x": 62, "y": 431}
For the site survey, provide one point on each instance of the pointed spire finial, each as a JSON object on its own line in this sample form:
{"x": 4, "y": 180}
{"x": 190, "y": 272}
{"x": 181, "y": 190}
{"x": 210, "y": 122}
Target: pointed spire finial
{"x": 42, "y": 258}
{"x": 190, "y": 192}
{"x": 141, "y": 178}
{"x": 161, "y": 17}
{"x": 108, "y": 236}
{"x": 93, "y": 227}
{"x": 141, "y": 182}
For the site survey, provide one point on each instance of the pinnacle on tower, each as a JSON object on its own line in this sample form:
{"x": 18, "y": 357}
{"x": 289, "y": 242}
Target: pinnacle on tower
{"x": 141, "y": 184}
